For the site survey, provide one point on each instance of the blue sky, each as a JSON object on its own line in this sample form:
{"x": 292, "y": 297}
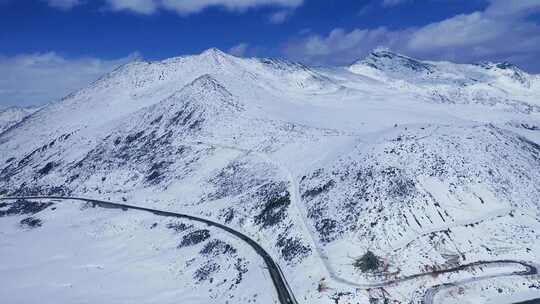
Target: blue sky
{"x": 43, "y": 41}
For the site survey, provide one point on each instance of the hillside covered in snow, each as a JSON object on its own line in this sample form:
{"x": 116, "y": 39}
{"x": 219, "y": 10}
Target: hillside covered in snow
{"x": 427, "y": 169}
{"x": 13, "y": 115}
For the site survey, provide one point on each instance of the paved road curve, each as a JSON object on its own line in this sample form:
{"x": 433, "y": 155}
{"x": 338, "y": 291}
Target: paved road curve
{"x": 284, "y": 292}
{"x": 429, "y": 296}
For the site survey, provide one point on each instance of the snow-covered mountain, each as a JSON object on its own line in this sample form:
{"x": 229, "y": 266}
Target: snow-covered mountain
{"x": 13, "y": 115}
{"x": 496, "y": 84}
{"x": 427, "y": 165}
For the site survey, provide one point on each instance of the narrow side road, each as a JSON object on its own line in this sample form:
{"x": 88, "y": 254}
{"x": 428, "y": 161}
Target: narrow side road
{"x": 284, "y": 292}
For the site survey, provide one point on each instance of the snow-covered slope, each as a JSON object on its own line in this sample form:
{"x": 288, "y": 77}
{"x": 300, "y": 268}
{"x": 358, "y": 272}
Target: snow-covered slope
{"x": 97, "y": 255}
{"x": 13, "y": 115}
{"x": 428, "y": 165}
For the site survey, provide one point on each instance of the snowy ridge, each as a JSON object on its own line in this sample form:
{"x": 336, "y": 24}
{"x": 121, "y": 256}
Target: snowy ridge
{"x": 13, "y": 115}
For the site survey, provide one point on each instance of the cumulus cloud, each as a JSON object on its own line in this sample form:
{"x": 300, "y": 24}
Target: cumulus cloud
{"x": 461, "y": 30}
{"x": 502, "y": 31}
{"x": 186, "y": 7}
{"x": 37, "y": 78}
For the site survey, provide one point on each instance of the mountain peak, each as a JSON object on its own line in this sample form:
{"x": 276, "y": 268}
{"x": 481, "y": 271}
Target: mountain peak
{"x": 504, "y": 65}
{"x": 509, "y": 69}
{"x": 215, "y": 53}
{"x": 507, "y": 65}
{"x": 384, "y": 52}
{"x": 386, "y": 60}
{"x": 215, "y": 57}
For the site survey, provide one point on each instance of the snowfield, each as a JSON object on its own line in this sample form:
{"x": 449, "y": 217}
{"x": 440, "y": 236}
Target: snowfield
{"x": 13, "y": 115}
{"x": 83, "y": 254}
{"x": 430, "y": 166}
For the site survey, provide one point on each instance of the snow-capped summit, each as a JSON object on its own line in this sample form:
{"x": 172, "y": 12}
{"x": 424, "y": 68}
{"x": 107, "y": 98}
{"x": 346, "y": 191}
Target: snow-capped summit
{"x": 216, "y": 56}
{"x": 385, "y": 60}
{"x": 387, "y": 63}
{"x": 505, "y": 65}
{"x": 509, "y": 70}
{"x": 487, "y": 83}
{"x": 215, "y": 52}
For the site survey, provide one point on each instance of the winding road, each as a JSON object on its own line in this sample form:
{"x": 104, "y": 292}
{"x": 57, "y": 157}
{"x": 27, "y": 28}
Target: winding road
{"x": 284, "y": 292}
{"x": 429, "y": 296}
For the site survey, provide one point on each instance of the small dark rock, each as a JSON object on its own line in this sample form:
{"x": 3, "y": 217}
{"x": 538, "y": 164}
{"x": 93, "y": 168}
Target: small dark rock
{"x": 31, "y": 222}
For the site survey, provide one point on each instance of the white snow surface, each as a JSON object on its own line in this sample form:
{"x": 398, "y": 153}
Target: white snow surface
{"x": 429, "y": 165}
{"x": 82, "y": 254}
{"x": 13, "y": 115}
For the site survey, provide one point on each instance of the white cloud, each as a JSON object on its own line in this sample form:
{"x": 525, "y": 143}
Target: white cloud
{"x": 186, "y": 7}
{"x": 37, "y": 78}
{"x": 182, "y": 7}
{"x": 64, "y": 4}
{"x": 340, "y": 46}
{"x": 280, "y": 16}
{"x": 461, "y": 30}
{"x": 388, "y": 3}
{"x": 137, "y": 6}
{"x": 501, "y": 32}
{"x": 508, "y": 8}
{"x": 239, "y": 49}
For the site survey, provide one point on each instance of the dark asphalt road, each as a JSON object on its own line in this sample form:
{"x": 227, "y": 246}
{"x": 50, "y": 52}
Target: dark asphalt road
{"x": 284, "y": 292}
